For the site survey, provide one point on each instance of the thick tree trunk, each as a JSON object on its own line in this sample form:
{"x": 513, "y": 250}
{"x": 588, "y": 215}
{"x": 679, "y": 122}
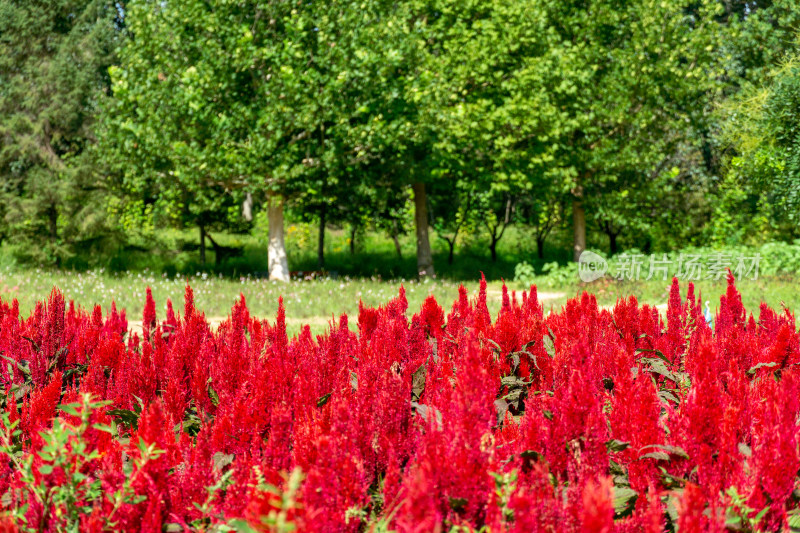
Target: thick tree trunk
{"x": 276, "y": 248}
{"x": 203, "y": 245}
{"x": 321, "y": 238}
{"x": 424, "y": 254}
{"x": 578, "y": 225}
{"x": 540, "y": 247}
{"x": 450, "y": 256}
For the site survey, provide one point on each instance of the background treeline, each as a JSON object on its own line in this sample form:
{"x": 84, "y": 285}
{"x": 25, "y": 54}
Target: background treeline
{"x": 638, "y": 124}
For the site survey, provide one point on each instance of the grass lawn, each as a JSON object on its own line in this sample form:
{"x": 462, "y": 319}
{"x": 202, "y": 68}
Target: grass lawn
{"x": 316, "y": 302}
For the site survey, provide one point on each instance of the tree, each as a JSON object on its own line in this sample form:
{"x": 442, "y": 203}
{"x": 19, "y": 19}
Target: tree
{"x": 455, "y": 210}
{"x": 53, "y": 60}
{"x": 581, "y": 97}
{"x": 542, "y": 210}
{"x": 281, "y": 100}
{"x": 331, "y": 108}
{"x": 766, "y": 128}
{"x": 167, "y": 134}
{"x": 484, "y": 129}
{"x": 635, "y": 80}
{"x": 757, "y": 194}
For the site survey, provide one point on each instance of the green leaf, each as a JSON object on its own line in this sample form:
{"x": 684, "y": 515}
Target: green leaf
{"x": 658, "y": 456}
{"x": 241, "y": 526}
{"x": 70, "y": 408}
{"x": 624, "y": 501}
{"x": 549, "y": 347}
{"x": 418, "y": 383}
{"x": 103, "y": 427}
{"x": 672, "y": 450}
{"x": 657, "y": 366}
{"x": 745, "y": 450}
{"x": 458, "y": 505}
{"x": 34, "y": 344}
{"x": 794, "y": 520}
{"x": 221, "y": 460}
{"x": 658, "y": 353}
{"x": 501, "y": 406}
{"x": 757, "y": 519}
{"x": 125, "y": 416}
{"x": 667, "y": 396}
{"x": 615, "y": 445}
{"x": 46, "y": 469}
{"x": 213, "y": 396}
{"x": 755, "y": 368}
{"x": 323, "y": 399}
{"x": 532, "y": 455}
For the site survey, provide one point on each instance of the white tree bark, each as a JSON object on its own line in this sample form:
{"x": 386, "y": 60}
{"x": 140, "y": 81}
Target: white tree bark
{"x": 276, "y": 248}
{"x": 247, "y": 207}
{"x": 424, "y": 255}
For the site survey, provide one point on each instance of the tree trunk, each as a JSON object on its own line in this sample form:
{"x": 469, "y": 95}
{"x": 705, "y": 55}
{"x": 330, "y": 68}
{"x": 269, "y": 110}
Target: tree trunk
{"x": 353, "y": 230}
{"x": 52, "y": 221}
{"x": 578, "y": 225}
{"x": 218, "y": 253}
{"x": 424, "y": 254}
{"x": 540, "y": 247}
{"x": 493, "y": 250}
{"x": 321, "y": 238}
{"x": 247, "y": 207}
{"x": 396, "y": 240}
{"x": 612, "y": 243}
{"x": 276, "y": 248}
{"x": 452, "y": 246}
{"x": 203, "y": 245}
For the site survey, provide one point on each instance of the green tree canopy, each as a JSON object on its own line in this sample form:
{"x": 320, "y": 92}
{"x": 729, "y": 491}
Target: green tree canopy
{"x": 286, "y": 101}
{"x": 54, "y": 57}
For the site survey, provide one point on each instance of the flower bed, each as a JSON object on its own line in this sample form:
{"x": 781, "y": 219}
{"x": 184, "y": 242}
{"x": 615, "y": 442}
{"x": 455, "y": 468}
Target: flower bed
{"x": 579, "y": 420}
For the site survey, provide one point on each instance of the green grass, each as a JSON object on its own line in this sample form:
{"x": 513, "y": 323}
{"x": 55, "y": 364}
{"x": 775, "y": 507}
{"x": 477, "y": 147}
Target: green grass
{"x": 316, "y": 302}
{"x": 373, "y": 275}
{"x": 777, "y": 292}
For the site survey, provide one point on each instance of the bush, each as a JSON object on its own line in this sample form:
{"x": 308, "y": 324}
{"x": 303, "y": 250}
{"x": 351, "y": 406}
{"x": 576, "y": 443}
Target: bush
{"x": 581, "y": 420}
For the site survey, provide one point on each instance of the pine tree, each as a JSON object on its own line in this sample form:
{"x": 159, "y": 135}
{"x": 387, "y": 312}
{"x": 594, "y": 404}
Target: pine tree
{"x": 54, "y": 56}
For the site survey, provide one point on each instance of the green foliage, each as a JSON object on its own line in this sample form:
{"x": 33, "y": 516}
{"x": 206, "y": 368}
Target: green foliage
{"x": 65, "y": 449}
{"x": 766, "y": 127}
{"x": 509, "y": 111}
{"x": 53, "y": 60}
{"x": 281, "y": 518}
{"x": 524, "y": 273}
{"x": 740, "y": 516}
